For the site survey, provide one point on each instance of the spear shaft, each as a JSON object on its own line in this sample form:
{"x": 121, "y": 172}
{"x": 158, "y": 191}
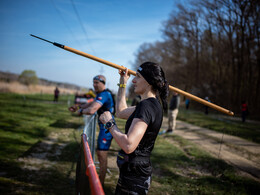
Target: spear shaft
{"x": 186, "y": 94}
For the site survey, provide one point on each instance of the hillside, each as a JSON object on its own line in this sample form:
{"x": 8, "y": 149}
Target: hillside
{"x": 9, "y": 83}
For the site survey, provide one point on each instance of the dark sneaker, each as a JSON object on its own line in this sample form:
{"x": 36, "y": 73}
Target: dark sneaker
{"x": 169, "y": 131}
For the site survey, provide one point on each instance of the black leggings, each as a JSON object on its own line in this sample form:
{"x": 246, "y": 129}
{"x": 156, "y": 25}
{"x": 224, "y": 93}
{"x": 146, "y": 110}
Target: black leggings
{"x": 133, "y": 184}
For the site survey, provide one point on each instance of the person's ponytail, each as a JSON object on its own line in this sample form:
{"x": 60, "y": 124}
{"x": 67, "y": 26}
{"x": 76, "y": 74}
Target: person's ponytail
{"x": 155, "y": 76}
{"x": 164, "y": 92}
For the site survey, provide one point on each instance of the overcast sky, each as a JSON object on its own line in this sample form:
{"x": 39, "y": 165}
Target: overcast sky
{"x": 109, "y": 29}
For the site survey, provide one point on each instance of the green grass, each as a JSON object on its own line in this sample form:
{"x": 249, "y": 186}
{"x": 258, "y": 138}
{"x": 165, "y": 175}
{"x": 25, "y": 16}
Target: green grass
{"x": 179, "y": 166}
{"x": 188, "y": 170}
{"x": 25, "y": 120}
{"x": 221, "y": 123}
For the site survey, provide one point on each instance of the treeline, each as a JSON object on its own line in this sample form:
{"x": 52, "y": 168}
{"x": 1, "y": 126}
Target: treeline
{"x": 211, "y": 48}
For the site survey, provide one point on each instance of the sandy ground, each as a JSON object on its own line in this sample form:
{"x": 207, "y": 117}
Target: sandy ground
{"x": 240, "y": 153}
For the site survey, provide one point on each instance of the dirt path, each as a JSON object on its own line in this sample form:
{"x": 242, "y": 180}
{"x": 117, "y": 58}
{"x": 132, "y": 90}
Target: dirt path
{"x": 242, "y": 154}
{"x": 42, "y": 151}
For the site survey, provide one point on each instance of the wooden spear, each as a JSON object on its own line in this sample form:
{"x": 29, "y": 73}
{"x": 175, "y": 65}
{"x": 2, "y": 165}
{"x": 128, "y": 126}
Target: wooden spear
{"x": 186, "y": 94}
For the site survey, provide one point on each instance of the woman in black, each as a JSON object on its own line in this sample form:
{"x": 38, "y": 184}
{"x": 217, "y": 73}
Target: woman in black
{"x": 143, "y": 124}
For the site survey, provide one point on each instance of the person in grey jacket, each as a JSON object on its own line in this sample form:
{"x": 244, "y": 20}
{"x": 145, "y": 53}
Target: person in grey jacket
{"x": 173, "y": 112}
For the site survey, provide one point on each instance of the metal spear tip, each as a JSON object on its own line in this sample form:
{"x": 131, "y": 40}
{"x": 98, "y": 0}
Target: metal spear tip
{"x": 41, "y": 38}
{"x": 34, "y": 36}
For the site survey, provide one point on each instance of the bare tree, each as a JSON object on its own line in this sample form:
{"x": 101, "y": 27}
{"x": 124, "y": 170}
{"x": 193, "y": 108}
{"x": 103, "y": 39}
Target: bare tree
{"x": 211, "y": 48}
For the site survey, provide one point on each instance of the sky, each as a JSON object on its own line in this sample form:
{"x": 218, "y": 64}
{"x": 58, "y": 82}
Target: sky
{"x": 112, "y": 30}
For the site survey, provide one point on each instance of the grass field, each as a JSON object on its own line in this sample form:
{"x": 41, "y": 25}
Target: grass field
{"x": 223, "y": 124}
{"x": 26, "y": 121}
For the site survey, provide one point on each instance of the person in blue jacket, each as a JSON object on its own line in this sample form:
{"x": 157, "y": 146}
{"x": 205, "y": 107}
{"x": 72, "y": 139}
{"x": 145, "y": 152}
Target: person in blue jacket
{"x": 103, "y": 102}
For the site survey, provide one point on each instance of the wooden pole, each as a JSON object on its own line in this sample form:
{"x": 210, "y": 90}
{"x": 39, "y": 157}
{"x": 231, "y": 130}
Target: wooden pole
{"x": 98, "y": 59}
{"x": 188, "y": 95}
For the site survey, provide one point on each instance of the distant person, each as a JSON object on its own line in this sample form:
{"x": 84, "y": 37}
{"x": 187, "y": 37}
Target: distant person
{"x": 206, "y": 107}
{"x": 187, "y": 103}
{"x": 90, "y": 94}
{"x": 244, "y": 111}
{"x": 173, "y": 112}
{"x": 136, "y": 100}
{"x": 56, "y": 94}
{"x": 103, "y": 102}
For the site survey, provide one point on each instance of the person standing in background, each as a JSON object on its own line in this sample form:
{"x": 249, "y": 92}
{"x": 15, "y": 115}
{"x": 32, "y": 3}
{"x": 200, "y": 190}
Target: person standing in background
{"x": 206, "y": 107}
{"x": 244, "y": 111}
{"x": 173, "y": 112}
{"x": 187, "y": 103}
{"x": 56, "y": 94}
{"x": 136, "y": 100}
